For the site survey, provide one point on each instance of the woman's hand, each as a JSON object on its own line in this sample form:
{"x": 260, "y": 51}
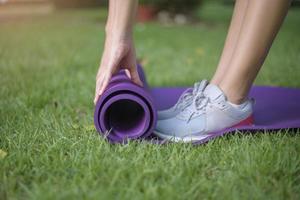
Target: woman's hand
{"x": 119, "y": 53}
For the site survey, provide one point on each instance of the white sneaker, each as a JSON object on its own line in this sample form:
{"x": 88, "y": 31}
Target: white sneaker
{"x": 184, "y": 101}
{"x": 209, "y": 112}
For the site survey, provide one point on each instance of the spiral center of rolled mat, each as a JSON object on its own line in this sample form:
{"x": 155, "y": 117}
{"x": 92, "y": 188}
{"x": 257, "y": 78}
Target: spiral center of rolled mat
{"x": 126, "y": 116}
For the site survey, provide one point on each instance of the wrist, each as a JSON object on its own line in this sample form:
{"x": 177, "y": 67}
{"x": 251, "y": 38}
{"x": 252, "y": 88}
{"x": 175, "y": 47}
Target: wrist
{"x": 118, "y": 34}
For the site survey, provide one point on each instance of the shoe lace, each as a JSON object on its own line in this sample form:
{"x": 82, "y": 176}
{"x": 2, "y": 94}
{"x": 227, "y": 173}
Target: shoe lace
{"x": 199, "y": 105}
{"x": 200, "y": 102}
{"x": 184, "y": 100}
{"x": 187, "y": 97}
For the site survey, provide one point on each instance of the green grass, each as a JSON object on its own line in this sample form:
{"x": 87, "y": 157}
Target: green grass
{"x": 47, "y": 72}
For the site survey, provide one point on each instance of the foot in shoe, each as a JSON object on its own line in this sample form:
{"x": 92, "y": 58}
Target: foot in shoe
{"x": 184, "y": 101}
{"x": 208, "y": 112}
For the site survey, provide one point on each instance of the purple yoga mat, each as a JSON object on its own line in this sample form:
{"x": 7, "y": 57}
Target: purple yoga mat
{"x": 126, "y": 111}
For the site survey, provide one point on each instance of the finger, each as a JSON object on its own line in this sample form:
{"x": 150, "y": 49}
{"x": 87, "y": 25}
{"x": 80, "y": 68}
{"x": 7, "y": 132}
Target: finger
{"x": 96, "y": 99}
{"x": 104, "y": 85}
{"x": 135, "y": 77}
{"x": 97, "y": 90}
{"x": 99, "y": 86}
{"x": 103, "y": 77}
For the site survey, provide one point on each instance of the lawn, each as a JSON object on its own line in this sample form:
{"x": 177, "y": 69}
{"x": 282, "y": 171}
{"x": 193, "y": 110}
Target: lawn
{"x": 47, "y": 76}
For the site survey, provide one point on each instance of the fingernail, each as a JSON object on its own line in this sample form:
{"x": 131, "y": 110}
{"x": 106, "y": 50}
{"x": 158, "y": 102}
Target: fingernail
{"x": 95, "y": 99}
{"x": 100, "y": 93}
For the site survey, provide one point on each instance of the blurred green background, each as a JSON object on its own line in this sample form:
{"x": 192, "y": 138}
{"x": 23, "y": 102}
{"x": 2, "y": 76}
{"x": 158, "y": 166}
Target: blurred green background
{"x": 49, "y": 149}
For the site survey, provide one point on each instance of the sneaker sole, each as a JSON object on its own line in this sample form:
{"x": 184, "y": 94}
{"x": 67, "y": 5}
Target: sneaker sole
{"x": 197, "y": 138}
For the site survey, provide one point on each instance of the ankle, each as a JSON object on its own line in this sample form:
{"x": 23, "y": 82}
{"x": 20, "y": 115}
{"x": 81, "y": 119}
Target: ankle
{"x": 236, "y": 99}
{"x": 233, "y": 95}
{"x": 215, "y": 81}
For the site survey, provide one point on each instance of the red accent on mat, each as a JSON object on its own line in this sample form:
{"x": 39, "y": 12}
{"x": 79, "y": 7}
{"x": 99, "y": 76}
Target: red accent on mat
{"x": 245, "y": 122}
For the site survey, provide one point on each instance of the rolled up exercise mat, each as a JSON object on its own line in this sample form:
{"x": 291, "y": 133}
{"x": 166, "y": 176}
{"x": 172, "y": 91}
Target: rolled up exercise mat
{"x": 127, "y": 111}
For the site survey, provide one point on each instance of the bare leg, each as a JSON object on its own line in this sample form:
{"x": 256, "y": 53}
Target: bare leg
{"x": 231, "y": 40}
{"x": 261, "y": 24}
